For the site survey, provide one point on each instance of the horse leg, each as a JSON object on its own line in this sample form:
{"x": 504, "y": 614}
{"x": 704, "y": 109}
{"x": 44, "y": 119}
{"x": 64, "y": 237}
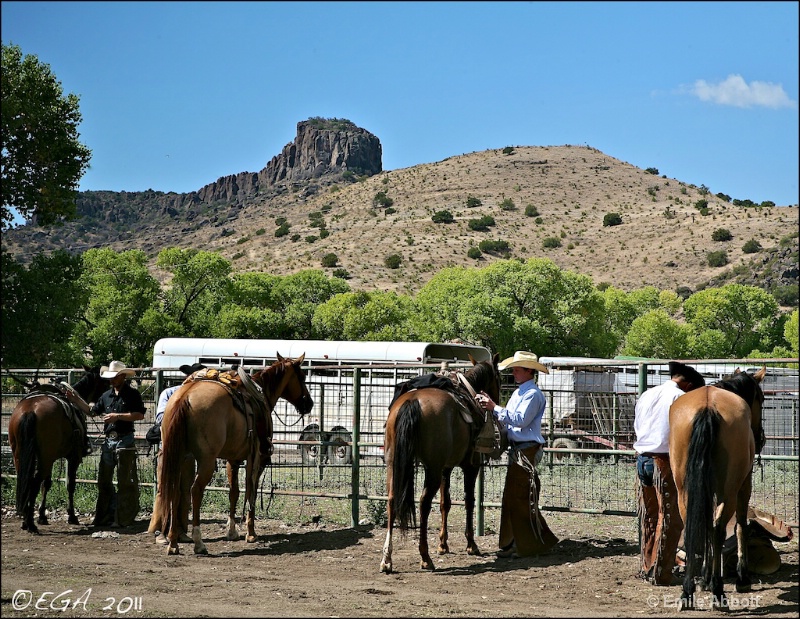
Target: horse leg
{"x": 470, "y": 476}
{"x": 205, "y": 470}
{"x": 743, "y": 582}
{"x": 386, "y": 559}
{"x": 232, "y": 469}
{"x": 30, "y": 507}
{"x": 445, "y": 503}
{"x": 251, "y": 488}
{"x": 72, "y": 475}
{"x": 425, "y": 502}
{"x": 46, "y": 483}
{"x": 717, "y": 590}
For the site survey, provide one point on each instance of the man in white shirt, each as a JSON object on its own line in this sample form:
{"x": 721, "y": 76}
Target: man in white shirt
{"x": 659, "y": 519}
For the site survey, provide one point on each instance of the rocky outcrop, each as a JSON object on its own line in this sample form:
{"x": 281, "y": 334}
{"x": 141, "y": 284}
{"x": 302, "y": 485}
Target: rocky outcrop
{"x": 325, "y": 147}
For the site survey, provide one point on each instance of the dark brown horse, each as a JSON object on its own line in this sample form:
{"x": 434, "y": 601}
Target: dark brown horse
{"x": 715, "y": 432}
{"x": 42, "y": 429}
{"x": 428, "y": 426}
{"x": 202, "y": 419}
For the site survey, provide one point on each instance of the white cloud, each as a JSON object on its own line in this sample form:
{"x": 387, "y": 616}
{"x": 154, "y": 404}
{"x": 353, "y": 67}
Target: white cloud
{"x": 735, "y": 91}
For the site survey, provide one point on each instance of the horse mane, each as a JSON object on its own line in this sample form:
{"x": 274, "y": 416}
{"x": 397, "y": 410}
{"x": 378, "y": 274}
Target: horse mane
{"x": 742, "y": 384}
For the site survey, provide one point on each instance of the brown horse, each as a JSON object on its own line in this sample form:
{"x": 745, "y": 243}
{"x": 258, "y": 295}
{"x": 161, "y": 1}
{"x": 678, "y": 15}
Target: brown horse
{"x": 715, "y": 432}
{"x": 42, "y": 429}
{"x": 427, "y": 426}
{"x": 201, "y": 419}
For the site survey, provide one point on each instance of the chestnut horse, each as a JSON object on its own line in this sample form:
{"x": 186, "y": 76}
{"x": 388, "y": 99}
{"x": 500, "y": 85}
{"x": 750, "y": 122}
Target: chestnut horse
{"x": 40, "y": 431}
{"x": 201, "y": 419}
{"x": 427, "y": 426}
{"x": 715, "y": 432}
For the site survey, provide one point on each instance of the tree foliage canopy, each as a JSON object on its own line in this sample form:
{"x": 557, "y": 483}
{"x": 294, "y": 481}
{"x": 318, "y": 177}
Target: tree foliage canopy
{"x": 42, "y": 158}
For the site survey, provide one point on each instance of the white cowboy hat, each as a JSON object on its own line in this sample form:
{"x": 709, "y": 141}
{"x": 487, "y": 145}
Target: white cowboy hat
{"x": 116, "y": 367}
{"x": 523, "y": 359}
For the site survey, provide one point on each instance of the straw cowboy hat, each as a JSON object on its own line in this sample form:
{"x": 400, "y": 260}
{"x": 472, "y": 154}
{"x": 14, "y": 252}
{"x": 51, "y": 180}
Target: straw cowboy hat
{"x": 191, "y": 369}
{"x": 523, "y": 359}
{"x": 116, "y": 368}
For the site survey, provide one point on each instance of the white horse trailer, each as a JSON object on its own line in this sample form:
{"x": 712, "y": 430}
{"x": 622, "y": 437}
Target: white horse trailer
{"x": 327, "y": 432}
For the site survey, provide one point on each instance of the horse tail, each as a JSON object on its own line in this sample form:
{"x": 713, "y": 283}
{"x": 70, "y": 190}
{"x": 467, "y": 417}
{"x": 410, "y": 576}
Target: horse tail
{"x": 173, "y": 451}
{"x": 406, "y": 441}
{"x": 700, "y": 487}
{"x": 28, "y": 461}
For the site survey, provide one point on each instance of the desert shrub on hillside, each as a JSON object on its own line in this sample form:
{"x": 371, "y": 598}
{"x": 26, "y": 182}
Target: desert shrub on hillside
{"x": 330, "y": 260}
{"x": 612, "y": 219}
{"x": 499, "y": 247}
{"x": 721, "y": 234}
{"x": 717, "y": 258}
{"x": 472, "y": 202}
{"x": 474, "y": 253}
{"x": 508, "y": 205}
{"x": 531, "y": 211}
{"x": 551, "y": 242}
{"x": 482, "y": 224}
{"x": 443, "y": 217}
{"x": 392, "y": 261}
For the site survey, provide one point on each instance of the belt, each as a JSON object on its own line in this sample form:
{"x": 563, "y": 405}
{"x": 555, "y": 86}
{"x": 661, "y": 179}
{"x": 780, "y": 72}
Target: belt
{"x": 650, "y": 454}
{"x": 116, "y": 435}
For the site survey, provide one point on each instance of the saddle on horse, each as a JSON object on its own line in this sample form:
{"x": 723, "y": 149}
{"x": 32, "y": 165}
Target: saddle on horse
{"x": 488, "y": 435}
{"x": 248, "y": 398}
{"x": 73, "y": 405}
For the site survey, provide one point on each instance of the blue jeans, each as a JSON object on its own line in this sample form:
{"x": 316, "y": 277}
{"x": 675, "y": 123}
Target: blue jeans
{"x": 108, "y": 453}
{"x": 644, "y": 467}
{"x": 108, "y": 462}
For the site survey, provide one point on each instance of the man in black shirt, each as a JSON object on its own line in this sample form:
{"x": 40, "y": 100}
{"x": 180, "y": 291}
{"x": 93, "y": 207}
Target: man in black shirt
{"x": 120, "y": 406}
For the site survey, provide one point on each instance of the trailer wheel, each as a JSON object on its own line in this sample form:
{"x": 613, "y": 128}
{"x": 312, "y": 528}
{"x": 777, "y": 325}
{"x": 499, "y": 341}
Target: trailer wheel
{"x": 563, "y": 444}
{"x": 311, "y": 454}
{"x": 340, "y": 452}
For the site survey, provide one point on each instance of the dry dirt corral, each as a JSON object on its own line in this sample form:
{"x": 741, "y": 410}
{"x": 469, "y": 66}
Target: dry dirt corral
{"x": 331, "y": 571}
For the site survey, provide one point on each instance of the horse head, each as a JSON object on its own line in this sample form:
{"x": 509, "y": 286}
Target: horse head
{"x": 287, "y": 378}
{"x": 484, "y": 376}
{"x": 748, "y": 387}
{"x": 91, "y": 386}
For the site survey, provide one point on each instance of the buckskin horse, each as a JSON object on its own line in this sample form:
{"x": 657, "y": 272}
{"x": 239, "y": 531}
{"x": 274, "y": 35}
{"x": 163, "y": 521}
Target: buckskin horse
{"x": 428, "y": 426}
{"x": 44, "y": 427}
{"x": 203, "y": 419}
{"x": 715, "y": 432}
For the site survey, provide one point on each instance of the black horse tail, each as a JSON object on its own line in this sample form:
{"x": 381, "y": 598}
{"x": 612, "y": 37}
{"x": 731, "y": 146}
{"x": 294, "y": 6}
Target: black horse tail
{"x": 406, "y": 441}
{"x": 699, "y": 487}
{"x": 27, "y": 489}
{"x": 174, "y": 437}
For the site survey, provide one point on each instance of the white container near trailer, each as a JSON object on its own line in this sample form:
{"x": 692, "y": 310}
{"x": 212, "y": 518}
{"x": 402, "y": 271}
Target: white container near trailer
{"x": 330, "y": 366}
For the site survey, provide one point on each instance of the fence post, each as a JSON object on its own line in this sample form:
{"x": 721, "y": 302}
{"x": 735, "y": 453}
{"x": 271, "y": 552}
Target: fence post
{"x": 356, "y": 451}
{"x": 321, "y": 433}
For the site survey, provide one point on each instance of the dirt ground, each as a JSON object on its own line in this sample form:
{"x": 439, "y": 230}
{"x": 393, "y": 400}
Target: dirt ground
{"x": 324, "y": 570}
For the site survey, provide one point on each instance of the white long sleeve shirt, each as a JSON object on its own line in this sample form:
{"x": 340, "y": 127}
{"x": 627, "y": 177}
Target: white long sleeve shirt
{"x": 651, "y": 418}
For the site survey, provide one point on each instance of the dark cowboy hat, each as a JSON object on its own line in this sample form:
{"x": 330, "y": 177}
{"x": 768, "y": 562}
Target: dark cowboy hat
{"x": 676, "y": 368}
{"x": 191, "y": 369}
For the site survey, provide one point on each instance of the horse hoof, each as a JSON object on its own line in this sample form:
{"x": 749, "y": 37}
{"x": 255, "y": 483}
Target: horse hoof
{"x": 42, "y": 520}
{"x": 386, "y": 568}
{"x": 200, "y": 550}
{"x": 173, "y": 550}
{"x": 233, "y": 536}
{"x": 427, "y": 566}
{"x": 160, "y": 539}
{"x": 443, "y": 550}
{"x": 73, "y": 520}
{"x": 252, "y": 538}
{"x": 744, "y": 587}
{"x": 474, "y": 552}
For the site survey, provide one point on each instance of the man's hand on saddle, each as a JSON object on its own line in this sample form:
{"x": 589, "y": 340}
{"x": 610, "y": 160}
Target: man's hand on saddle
{"x": 484, "y": 401}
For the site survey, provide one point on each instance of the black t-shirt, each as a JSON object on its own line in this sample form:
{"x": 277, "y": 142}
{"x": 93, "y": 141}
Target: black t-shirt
{"x": 129, "y": 400}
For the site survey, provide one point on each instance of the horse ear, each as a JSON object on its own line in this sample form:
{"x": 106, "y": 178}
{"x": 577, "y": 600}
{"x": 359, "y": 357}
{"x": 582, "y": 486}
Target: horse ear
{"x": 737, "y": 371}
{"x": 471, "y": 358}
{"x": 759, "y": 376}
{"x": 278, "y": 355}
{"x": 300, "y": 359}
{"x": 496, "y": 359}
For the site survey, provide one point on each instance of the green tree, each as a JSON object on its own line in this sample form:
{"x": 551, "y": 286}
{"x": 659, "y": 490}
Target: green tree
{"x": 366, "y": 316}
{"x": 198, "y": 288}
{"x": 744, "y": 317}
{"x": 124, "y": 317}
{"x": 298, "y": 295}
{"x": 791, "y": 333}
{"x": 42, "y": 304}
{"x": 656, "y": 334}
{"x": 42, "y": 160}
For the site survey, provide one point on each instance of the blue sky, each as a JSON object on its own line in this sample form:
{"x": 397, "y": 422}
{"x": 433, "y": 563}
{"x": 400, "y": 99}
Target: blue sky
{"x": 175, "y": 95}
